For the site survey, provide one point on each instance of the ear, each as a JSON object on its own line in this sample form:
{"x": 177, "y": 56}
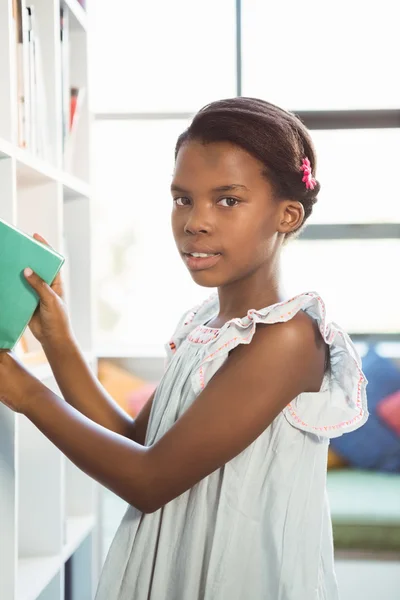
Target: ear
{"x": 291, "y": 216}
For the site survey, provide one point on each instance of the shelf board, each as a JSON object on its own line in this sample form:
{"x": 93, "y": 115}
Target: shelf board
{"x": 35, "y": 573}
{"x": 77, "y": 529}
{"x": 32, "y": 171}
{"x": 78, "y": 15}
{"x": 74, "y": 187}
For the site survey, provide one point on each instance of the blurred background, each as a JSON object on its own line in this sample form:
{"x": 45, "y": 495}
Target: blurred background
{"x": 333, "y": 64}
{"x": 153, "y": 65}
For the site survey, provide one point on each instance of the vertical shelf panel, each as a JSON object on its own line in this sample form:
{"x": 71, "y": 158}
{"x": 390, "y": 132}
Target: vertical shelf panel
{"x": 41, "y": 466}
{"x": 78, "y": 573}
{"x": 78, "y": 240}
{"x": 8, "y": 431}
{"x": 39, "y": 208}
{"x": 76, "y": 160}
{"x": 40, "y": 510}
{"x": 40, "y": 485}
{"x": 80, "y": 505}
{"x": 8, "y": 189}
{"x": 79, "y": 489}
{"x": 8, "y": 469}
{"x": 7, "y": 63}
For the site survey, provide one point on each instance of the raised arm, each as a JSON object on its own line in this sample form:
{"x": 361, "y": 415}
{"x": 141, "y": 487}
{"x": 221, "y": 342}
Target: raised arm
{"x": 82, "y": 390}
{"x": 282, "y": 361}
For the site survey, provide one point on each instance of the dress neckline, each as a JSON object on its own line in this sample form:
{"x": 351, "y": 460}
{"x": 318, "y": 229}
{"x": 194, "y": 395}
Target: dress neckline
{"x": 205, "y": 326}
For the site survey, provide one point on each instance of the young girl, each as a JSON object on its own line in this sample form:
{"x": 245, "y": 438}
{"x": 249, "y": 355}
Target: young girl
{"x": 224, "y": 469}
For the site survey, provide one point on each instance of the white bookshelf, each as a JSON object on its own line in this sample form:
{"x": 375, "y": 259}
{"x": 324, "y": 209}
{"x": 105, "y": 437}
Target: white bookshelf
{"x": 49, "y": 509}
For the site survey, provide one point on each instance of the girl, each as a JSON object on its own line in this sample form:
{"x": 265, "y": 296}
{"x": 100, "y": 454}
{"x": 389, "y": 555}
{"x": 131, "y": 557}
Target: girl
{"x": 224, "y": 469}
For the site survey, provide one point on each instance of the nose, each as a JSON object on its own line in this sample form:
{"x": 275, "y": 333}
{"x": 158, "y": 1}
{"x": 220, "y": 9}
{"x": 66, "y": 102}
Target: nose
{"x": 198, "y": 220}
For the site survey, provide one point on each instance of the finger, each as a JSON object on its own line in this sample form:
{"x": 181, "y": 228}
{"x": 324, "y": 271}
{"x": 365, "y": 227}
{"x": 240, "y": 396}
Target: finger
{"x": 40, "y": 238}
{"x": 57, "y": 285}
{"x": 57, "y": 279}
{"x": 43, "y": 290}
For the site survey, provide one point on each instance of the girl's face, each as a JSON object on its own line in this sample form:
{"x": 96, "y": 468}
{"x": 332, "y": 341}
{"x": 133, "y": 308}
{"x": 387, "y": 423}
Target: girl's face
{"x": 222, "y": 204}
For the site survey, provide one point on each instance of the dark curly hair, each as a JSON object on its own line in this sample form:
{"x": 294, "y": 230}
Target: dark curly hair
{"x": 276, "y": 137}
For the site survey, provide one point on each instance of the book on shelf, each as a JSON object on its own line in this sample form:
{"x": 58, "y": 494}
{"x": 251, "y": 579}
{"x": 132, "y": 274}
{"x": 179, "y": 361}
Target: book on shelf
{"x": 28, "y": 67}
{"x": 18, "y": 300}
{"x": 72, "y": 96}
{"x": 65, "y": 73}
{"x": 17, "y": 15}
{"x": 31, "y": 96}
{"x": 77, "y": 98}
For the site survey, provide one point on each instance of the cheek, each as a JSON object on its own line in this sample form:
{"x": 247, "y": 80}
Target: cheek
{"x": 175, "y": 225}
{"x": 252, "y": 233}
{"x": 253, "y": 244}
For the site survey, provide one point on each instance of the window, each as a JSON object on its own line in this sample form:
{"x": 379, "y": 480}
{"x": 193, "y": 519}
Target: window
{"x": 355, "y": 167}
{"x": 162, "y": 56}
{"x": 139, "y": 275}
{"x": 321, "y": 55}
{"x": 353, "y": 277}
{"x": 148, "y": 81}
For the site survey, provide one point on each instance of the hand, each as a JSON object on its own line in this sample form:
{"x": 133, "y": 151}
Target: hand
{"x": 17, "y": 385}
{"x": 50, "y": 322}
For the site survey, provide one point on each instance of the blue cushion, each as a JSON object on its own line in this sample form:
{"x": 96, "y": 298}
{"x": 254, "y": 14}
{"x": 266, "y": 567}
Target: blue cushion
{"x": 374, "y": 445}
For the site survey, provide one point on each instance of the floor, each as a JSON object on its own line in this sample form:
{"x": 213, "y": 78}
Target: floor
{"x": 358, "y": 580}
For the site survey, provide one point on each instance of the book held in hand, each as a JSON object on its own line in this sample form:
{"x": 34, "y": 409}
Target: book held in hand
{"x": 18, "y": 300}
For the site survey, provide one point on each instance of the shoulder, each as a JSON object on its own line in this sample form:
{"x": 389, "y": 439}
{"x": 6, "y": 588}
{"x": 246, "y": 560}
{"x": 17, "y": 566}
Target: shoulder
{"x": 295, "y": 348}
{"x": 299, "y": 333}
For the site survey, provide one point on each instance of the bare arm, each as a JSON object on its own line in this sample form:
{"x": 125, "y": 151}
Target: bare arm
{"x": 82, "y": 390}
{"x": 282, "y": 361}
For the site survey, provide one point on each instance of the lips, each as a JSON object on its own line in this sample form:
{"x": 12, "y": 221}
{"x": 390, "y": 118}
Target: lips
{"x": 199, "y": 264}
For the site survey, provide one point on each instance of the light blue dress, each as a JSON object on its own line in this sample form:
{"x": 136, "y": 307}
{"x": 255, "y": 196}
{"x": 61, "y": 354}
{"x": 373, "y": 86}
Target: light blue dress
{"x": 259, "y": 527}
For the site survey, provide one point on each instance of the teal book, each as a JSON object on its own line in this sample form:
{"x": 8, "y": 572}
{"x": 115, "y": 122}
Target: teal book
{"x": 18, "y": 300}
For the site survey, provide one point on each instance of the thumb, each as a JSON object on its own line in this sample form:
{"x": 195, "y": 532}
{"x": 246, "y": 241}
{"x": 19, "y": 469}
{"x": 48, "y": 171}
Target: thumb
{"x": 43, "y": 290}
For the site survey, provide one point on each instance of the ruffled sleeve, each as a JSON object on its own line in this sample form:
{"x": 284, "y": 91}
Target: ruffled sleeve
{"x": 341, "y": 404}
{"x": 187, "y": 322}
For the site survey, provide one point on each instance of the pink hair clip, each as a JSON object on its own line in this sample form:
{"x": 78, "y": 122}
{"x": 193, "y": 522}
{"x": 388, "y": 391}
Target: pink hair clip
{"x": 308, "y": 178}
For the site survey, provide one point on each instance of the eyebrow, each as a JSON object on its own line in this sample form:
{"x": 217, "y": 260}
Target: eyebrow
{"x": 220, "y": 188}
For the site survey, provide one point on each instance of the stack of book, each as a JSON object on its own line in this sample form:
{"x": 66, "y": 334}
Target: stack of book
{"x": 32, "y": 109}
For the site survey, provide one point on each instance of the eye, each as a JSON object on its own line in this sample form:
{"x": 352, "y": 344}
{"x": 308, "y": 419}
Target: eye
{"x": 230, "y": 199}
{"x": 180, "y": 198}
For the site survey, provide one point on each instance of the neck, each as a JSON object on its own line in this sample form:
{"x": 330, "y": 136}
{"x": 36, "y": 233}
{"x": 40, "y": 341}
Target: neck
{"x": 259, "y": 289}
